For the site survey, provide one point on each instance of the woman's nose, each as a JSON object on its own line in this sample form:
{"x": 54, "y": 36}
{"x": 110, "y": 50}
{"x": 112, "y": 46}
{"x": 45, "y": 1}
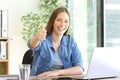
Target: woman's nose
{"x": 63, "y": 24}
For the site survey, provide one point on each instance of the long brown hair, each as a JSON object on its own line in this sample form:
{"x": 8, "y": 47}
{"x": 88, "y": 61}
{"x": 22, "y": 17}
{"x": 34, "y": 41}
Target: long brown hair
{"x": 51, "y": 21}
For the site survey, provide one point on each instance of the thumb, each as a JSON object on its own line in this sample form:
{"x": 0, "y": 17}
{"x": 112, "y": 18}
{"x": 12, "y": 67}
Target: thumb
{"x": 43, "y": 27}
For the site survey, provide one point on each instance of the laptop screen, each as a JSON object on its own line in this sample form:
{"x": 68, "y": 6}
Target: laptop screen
{"x": 104, "y": 63}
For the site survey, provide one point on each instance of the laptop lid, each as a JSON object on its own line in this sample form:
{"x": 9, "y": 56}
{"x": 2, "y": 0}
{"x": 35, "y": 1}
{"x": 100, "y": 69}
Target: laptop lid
{"x": 104, "y": 63}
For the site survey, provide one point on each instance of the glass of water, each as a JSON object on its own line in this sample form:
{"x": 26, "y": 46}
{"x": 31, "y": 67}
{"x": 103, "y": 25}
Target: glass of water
{"x": 24, "y": 70}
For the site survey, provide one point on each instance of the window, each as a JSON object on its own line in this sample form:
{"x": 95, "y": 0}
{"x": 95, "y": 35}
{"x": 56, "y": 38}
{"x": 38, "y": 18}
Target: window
{"x": 111, "y": 23}
{"x": 83, "y": 22}
{"x": 95, "y": 23}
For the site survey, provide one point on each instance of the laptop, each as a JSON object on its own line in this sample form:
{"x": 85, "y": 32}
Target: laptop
{"x": 104, "y": 63}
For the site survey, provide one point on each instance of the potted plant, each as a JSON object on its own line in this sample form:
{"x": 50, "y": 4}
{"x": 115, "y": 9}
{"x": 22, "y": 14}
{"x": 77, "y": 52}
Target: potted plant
{"x": 32, "y": 21}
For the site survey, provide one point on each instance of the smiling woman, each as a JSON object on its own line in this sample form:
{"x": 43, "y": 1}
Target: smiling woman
{"x": 56, "y": 52}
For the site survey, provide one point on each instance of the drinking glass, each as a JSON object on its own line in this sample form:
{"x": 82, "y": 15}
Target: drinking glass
{"x": 24, "y": 70}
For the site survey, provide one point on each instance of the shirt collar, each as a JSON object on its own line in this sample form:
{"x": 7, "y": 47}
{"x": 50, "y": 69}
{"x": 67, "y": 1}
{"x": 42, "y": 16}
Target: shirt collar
{"x": 49, "y": 40}
{"x": 63, "y": 41}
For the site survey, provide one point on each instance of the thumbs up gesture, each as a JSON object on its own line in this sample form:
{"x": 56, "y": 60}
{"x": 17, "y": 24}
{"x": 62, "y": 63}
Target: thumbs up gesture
{"x": 42, "y": 33}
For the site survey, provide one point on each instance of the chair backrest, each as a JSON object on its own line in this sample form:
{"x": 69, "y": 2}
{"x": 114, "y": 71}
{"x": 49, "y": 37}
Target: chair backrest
{"x": 28, "y": 57}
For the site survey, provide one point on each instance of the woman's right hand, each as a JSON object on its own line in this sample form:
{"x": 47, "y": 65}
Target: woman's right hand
{"x": 41, "y": 34}
{"x": 39, "y": 37}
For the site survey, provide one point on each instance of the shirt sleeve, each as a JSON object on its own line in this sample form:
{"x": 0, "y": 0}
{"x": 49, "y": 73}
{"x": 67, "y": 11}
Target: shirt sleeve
{"x": 29, "y": 46}
{"x": 76, "y": 55}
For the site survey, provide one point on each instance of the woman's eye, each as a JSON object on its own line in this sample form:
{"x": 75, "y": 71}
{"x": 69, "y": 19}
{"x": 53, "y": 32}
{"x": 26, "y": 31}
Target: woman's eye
{"x": 58, "y": 20}
{"x": 66, "y": 21}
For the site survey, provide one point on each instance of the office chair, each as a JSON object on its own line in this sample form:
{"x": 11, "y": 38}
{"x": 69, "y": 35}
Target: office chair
{"x": 28, "y": 57}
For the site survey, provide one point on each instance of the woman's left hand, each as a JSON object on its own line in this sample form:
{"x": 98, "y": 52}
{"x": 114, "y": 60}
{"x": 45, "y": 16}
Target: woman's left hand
{"x": 45, "y": 75}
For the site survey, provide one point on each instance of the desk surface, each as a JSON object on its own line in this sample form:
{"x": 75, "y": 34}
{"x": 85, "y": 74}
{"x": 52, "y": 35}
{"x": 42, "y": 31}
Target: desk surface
{"x": 9, "y": 77}
{"x": 78, "y": 77}
{"x": 71, "y": 77}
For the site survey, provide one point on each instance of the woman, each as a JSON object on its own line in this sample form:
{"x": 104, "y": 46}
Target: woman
{"x": 56, "y": 52}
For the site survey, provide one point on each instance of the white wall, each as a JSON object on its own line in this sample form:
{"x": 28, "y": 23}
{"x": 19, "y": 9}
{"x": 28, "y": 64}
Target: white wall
{"x": 17, "y": 48}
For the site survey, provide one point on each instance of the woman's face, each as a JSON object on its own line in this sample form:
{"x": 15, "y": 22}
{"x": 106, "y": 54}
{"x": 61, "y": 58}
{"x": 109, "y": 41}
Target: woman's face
{"x": 61, "y": 23}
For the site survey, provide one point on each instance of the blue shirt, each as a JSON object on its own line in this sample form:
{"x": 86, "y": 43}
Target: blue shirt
{"x": 57, "y": 63}
{"x": 45, "y": 54}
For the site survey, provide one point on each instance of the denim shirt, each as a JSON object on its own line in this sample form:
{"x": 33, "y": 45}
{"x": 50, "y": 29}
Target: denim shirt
{"x": 45, "y": 53}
